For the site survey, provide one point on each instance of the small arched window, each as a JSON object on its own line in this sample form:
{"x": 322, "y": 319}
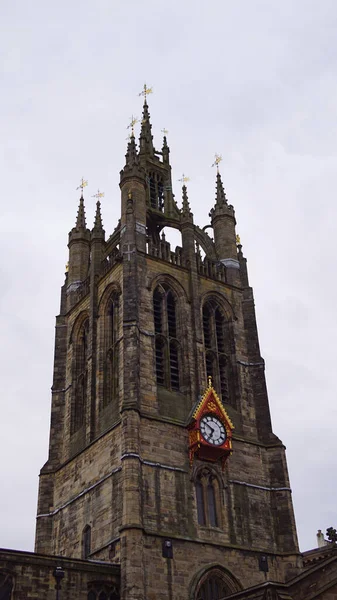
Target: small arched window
{"x": 86, "y": 543}
{"x": 80, "y": 376}
{"x": 207, "y": 499}
{"x": 110, "y": 366}
{"x": 217, "y": 344}
{"x": 167, "y": 347}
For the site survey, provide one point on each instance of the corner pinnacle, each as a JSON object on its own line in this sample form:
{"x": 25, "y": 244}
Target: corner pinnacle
{"x": 131, "y": 157}
{"x": 220, "y": 195}
{"x": 98, "y": 224}
{"x": 80, "y": 220}
{"x": 186, "y": 210}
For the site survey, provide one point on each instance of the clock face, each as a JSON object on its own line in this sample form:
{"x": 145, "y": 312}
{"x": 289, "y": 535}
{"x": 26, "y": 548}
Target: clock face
{"x": 212, "y": 430}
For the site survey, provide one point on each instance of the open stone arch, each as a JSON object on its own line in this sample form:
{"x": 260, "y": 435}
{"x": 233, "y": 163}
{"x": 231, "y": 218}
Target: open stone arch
{"x": 205, "y": 242}
{"x": 214, "y": 583}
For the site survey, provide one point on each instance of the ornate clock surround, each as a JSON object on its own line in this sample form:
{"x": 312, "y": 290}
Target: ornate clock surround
{"x": 210, "y": 404}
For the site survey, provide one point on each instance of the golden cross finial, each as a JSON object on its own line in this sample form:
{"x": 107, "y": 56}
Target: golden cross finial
{"x": 217, "y": 161}
{"x": 98, "y": 195}
{"x": 237, "y": 239}
{"x": 209, "y": 381}
{"x": 83, "y": 184}
{"x": 67, "y": 267}
{"x": 145, "y": 91}
{"x": 164, "y": 131}
{"x": 184, "y": 179}
{"x": 132, "y": 124}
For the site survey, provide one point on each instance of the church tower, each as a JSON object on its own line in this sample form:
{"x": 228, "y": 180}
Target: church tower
{"x": 192, "y": 504}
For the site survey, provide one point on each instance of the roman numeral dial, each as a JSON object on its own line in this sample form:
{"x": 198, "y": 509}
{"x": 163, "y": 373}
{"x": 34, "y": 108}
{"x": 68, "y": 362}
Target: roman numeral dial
{"x": 212, "y": 430}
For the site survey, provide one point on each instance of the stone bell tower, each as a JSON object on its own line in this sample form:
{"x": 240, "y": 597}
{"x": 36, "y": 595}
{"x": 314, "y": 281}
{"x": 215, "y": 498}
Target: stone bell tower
{"x": 144, "y": 331}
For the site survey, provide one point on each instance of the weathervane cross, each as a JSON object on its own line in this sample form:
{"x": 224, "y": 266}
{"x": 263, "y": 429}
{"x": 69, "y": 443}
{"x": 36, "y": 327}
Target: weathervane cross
{"x": 98, "y": 195}
{"x": 164, "y": 131}
{"x": 146, "y": 91}
{"x": 217, "y": 161}
{"x": 132, "y": 124}
{"x": 83, "y": 184}
{"x": 184, "y": 179}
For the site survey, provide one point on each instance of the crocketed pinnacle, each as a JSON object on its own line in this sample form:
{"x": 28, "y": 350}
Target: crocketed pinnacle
{"x": 220, "y": 195}
{"x": 186, "y": 205}
{"x": 80, "y": 220}
{"x": 146, "y": 138}
{"x": 131, "y": 157}
{"x": 98, "y": 224}
{"x": 165, "y": 151}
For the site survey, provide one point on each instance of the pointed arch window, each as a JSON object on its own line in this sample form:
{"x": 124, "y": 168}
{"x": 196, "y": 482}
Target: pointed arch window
{"x": 110, "y": 367}
{"x": 167, "y": 346}
{"x": 213, "y": 588}
{"x": 217, "y": 344}
{"x": 80, "y": 376}
{"x": 207, "y": 499}
{"x": 216, "y": 584}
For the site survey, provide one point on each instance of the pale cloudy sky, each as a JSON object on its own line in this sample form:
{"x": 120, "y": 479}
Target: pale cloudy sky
{"x": 254, "y": 80}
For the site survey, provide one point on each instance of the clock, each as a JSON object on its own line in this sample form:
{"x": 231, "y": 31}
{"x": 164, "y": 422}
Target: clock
{"x": 212, "y": 430}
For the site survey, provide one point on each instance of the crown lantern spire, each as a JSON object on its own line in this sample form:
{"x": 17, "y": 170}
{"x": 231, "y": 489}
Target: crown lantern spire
{"x": 146, "y": 137}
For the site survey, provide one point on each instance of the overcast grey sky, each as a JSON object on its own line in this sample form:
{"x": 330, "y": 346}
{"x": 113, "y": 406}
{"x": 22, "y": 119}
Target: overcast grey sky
{"x": 254, "y": 80}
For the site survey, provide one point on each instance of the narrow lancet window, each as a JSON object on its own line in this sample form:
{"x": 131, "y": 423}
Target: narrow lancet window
{"x": 207, "y": 498}
{"x": 80, "y": 377}
{"x": 217, "y": 345}
{"x": 167, "y": 346}
{"x": 110, "y": 368}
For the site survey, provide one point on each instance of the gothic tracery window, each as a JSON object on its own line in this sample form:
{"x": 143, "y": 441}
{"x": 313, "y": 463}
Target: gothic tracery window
{"x": 207, "y": 499}
{"x": 213, "y": 588}
{"x": 216, "y": 584}
{"x": 80, "y": 376}
{"x": 110, "y": 367}
{"x": 217, "y": 350}
{"x": 103, "y": 591}
{"x": 167, "y": 347}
